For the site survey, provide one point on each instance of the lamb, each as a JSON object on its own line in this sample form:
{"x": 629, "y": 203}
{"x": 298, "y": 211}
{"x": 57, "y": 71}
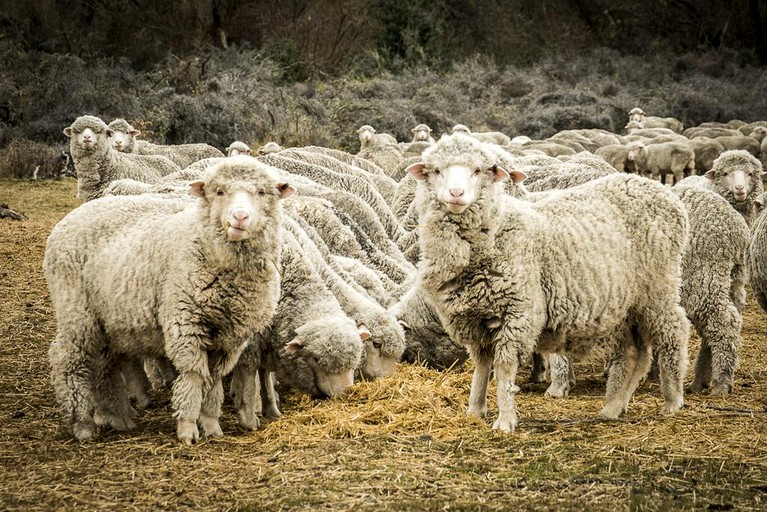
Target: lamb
{"x": 494, "y": 137}
{"x": 422, "y": 133}
{"x": 368, "y": 137}
{"x": 269, "y": 148}
{"x": 659, "y": 160}
{"x": 736, "y": 175}
{"x": 97, "y": 163}
{"x": 150, "y": 276}
{"x": 506, "y": 274}
{"x": 238, "y": 148}
{"x": 713, "y": 290}
{"x": 311, "y": 345}
{"x": 180, "y": 154}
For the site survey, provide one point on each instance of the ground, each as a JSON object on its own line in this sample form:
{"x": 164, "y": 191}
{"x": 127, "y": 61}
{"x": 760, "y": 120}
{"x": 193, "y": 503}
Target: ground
{"x": 402, "y": 443}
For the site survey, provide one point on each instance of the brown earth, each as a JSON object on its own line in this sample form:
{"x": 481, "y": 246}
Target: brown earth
{"x": 402, "y": 443}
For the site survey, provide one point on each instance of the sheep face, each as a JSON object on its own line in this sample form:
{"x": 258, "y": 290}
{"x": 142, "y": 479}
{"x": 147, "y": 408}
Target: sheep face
{"x": 636, "y": 114}
{"x": 376, "y": 364}
{"x": 736, "y": 173}
{"x": 421, "y": 133}
{"x": 460, "y": 128}
{"x": 238, "y": 148}
{"x": 236, "y": 195}
{"x": 458, "y": 186}
{"x": 365, "y": 133}
{"x": 123, "y": 141}
{"x": 87, "y": 133}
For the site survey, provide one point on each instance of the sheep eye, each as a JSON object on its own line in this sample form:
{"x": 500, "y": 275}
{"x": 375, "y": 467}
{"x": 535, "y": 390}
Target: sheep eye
{"x": 476, "y": 171}
{"x": 219, "y": 192}
{"x": 377, "y": 345}
{"x": 261, "y": 192}
{"x": 436, "y": 171}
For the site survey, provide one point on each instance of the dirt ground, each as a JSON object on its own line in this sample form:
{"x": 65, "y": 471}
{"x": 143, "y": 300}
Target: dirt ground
{"x": 402, "y": 443}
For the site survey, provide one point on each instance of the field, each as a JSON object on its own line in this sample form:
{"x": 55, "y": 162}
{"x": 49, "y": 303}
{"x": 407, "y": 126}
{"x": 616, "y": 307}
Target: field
{"x": 402, "y": 443}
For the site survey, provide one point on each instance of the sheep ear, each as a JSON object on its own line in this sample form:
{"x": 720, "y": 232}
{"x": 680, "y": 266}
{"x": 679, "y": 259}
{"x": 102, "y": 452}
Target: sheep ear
{"x": 500, "y": 174}
{"x": 68, "y": 131}
{"x": 364, "y": 332}
{"x": 197, "y": 188}
{"x": 710, "y": 175}
{"x": 110, "y": 132}
{"x": 285, "y": 189}
{"x": 416, "y": 171}
{"x": 404, "y": 324}
{"x": 517, "y": 176}
{"x": 134, "y": 132}
{"x": 293, "y": 346}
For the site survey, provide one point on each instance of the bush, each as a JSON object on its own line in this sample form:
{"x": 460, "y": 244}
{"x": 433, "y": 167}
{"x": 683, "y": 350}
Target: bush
{"x": 27, "y": 159}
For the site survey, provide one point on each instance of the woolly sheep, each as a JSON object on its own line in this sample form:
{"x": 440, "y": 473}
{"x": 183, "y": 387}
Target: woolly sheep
{"x": 238, "y": 148}
{"x": 97, "y": 163}
{"x": 737, "y": 176}
{"x": 549, "y": 147}
{"x": 147, "y": 276}
{"x": 659, "y": 160}
{"x": 505, "y": 274}
{"x": 744, "y": 142}
{"x": 616, "y": 155}
{"x": 713, "y": 285}
{"x": 636, "y": 114}
{"x": 756, "y": 261}
{"x": 493, "y": 137}
{"x": 311, "y": 345}
{"x": 269, "y": 148}
{"x": 386, "y": 157}
{"x": 180, "y": 154}
{"x": 706, "y": 151}
{"x": 711, "y": 132}
{"x": 345, "y": 157}
{"x": 368, "y": 137}
{"x": 422, "y": 133}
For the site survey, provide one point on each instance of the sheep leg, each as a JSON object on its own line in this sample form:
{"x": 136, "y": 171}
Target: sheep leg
{"x": 192, "y": 365}
{"x": 562, "y": 375}
{"x": 506, "y": 364}
{"x": 478, "y": 394}
{"x": 722, "y": 334}
{"x": 738, "y": 280}
{"x": 221, "y": 363}
{"x": 623, "y": 366}
{"x": 269, "y": 396}
{"x": 136, "y": 381}
{"x": 245, "y": 391}
{"x": 112, "y": 405}
{"x": 160, "y": 372}
{"x": 702, "y": 379}
{"x": 669, "y": 327}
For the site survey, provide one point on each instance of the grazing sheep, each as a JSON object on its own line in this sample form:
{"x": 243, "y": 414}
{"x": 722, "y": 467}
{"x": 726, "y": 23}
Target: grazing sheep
{"x": 706, "y": 151}
{"x": 124, "y": 140}
{"x": 238, "y": 148}
{"x": 744, "y": 142}
{"x": 269, "y": 148}
{"x": 368, "y": 137}
{"x": 147, "y": 276}
{"x": 659, "y": 160}
{"x": 746, "y": 129}
{"x": 97, "y": 164}
{"x": 422, "y": 133}
{"x": 616, "y": 155}
{"x": 494, "y": 137}
{"x": 311, "y": 345}
{"x": 580, "y": 271}
{"x": 736, "y": 175}
{"x": 713, "y": 289}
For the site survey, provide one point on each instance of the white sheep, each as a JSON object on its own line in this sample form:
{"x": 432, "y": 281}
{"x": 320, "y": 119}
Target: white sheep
{"x": 422, "y": 133}
{"x": 494, "y": 137}
{"x": 636, "y": 114}
{"x": 269, "y": 148}
{"x": 124, "y": 140}
{"x": 238, "y": 148}
{"x": 713, "y": 290}
{"x": 149, "y": 276}
{"x": 368, "y": 137}
{"x": 97, "y": 164}
{"x": 660, "y": 160}
{"x": 757, "y": 260}
{"x": 586, "y": 266}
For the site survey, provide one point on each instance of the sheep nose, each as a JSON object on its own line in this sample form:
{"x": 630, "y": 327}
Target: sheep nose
{"x": 240, "y": 215}
{"x": 456, "y": 192}
{"x": 740, "y": 187}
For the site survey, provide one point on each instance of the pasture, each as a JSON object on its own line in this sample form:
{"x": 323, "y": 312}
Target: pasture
{"x": 400, "y": 443}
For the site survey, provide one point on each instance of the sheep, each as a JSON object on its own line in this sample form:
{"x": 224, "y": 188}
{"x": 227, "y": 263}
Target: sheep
{"x": 180, "y": 154}
{"x": 745, "y": 142}
{"x": 637, "y": 129}
{"x": 494, "y": 137}
{"x": 616, "y": 155}
{"x": 386, "y": 157}
{"x": 713, "y": 289}
{"x": 368, "y": 137}
{"x": 756, "y": 261}
{"x": 412, "y": 148}
{"x": 422, "y": 133}
{"x": 638, "y": 115}
{"x": 706, "y": 150}
{"x": 238, "y": 148}
{"x": 550, "y": 147}
{"x": 746, "y": 129}
{"x": 736, "y": 175}
{"x": 96, "y": 163}
{"x": 589, "y": 266}
{"x": 659, "y": 160}
{"x": 311, "y": 345}
{"x": 269, "y": 148}
{"x": 759, "y": 133}
{"x": 149, "y": 276}
{"x": 386, "y": 343}
{"x": 711, "y": 132}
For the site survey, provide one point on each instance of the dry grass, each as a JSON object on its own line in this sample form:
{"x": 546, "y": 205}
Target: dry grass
{"x": 399, "y": 443}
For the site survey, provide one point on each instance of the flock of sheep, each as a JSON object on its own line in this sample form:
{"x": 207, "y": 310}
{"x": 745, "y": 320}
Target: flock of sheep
{"x": 304, "y": 268}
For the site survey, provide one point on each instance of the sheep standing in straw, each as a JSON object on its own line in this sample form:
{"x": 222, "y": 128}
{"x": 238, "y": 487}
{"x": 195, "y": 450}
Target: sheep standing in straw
{"x": 147, "y": 276}
{"x": 595, "y": 268}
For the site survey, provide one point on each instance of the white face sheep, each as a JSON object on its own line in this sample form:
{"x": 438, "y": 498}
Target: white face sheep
{"x": 508, "y": 276}
{"x": 238, "y": 148}
{"x": 123, "y": 136}
{"x": 368, "y": 137}
{"x": 147, "y": 276}
{"x": 422, "y": 133}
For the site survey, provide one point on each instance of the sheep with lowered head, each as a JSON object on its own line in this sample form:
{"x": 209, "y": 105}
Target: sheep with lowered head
{"x": 596, "y": 262}
{"x": 660, "y": 160}
{"x": 149, "y": 276}
{"x": 97, "y": 164}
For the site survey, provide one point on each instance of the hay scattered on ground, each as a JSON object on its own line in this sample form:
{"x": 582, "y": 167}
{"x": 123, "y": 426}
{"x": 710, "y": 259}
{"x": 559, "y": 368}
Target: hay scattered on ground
{"x": 400, "y": 443}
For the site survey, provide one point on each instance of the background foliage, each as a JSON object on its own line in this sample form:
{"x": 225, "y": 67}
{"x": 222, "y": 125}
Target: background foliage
{"x": 310, "y": 72}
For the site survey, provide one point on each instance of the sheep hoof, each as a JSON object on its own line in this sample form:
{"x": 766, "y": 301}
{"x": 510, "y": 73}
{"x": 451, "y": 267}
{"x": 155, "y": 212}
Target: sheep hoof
{"x": 249, "y": 421}
{"x": 610, "y": 413}
{"x": 479, "y": 413}
{"x": 187, "y": 432}
{"x": 210, "y": 426}
{"x": 721, "y": 389}
{"x": 142, "y": 402}
{"x": 670, "y": 408}
{"x": 272, "y": 413}
{"x": 695, "y": 387}
{"x": 84, "y": 431}
{"x": 114, "y": 421}
{"x": 506, "y": 423}
{"x": 558, "y": 391}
